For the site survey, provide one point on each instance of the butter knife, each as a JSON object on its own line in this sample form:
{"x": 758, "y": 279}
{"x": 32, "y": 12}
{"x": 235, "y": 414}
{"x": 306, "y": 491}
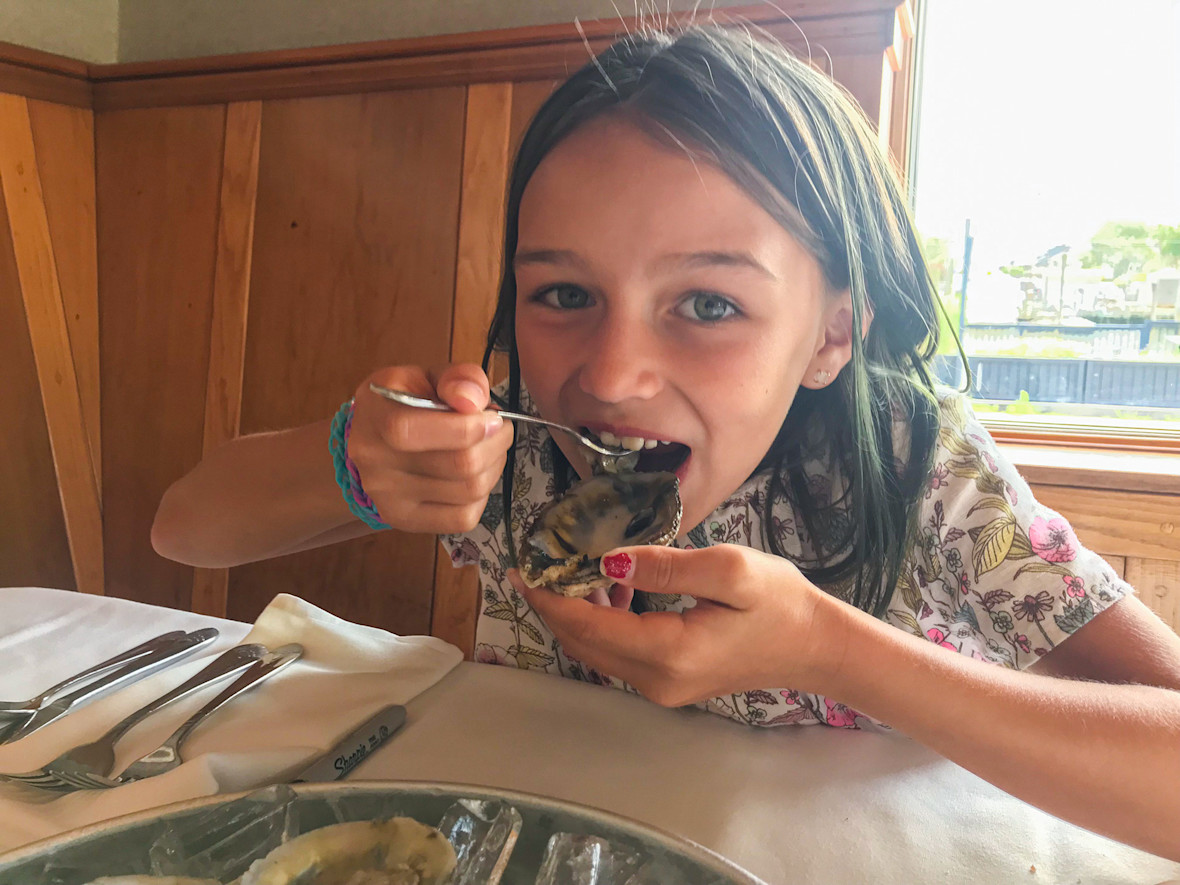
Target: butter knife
{"x": 354, "y": 748}
{"x": 163, "y": 655}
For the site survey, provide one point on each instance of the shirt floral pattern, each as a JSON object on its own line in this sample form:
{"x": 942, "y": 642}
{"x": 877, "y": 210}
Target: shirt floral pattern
{"x": 990, "y": 573}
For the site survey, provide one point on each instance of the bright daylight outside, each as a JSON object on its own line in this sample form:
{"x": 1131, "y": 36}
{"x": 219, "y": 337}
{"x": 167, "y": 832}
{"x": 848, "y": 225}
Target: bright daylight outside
{"x": 1046, "y": 180}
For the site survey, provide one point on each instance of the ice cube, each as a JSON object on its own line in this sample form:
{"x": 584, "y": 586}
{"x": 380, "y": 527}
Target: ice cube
{"x": 221, "y": 843}
{"x": 483, "y": 835}
{"x": 572, "y": 859}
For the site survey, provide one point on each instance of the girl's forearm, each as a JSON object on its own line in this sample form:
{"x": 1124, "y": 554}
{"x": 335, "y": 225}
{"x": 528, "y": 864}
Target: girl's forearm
{"x": 1106, "y": 757}
{"x": 256, "y": 497}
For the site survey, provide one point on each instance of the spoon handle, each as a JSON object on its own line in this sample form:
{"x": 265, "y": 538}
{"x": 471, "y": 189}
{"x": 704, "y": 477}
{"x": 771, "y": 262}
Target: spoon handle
{"x": 420, "y": 402}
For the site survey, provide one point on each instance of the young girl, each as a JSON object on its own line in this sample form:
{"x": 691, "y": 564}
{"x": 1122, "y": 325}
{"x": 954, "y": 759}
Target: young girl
{"x": 708, "y": 258}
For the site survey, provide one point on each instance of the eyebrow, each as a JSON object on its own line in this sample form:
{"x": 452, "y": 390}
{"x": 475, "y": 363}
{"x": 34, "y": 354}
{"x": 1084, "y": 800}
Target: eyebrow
{"x": 682, "y": 260}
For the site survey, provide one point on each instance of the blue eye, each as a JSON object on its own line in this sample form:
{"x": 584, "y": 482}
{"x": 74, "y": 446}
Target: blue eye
{"x": 707, "y": 307}
{"x": 564, "y": 296}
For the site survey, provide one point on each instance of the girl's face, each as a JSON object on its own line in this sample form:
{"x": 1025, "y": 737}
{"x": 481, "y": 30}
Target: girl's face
{"x": 655, "y": 299}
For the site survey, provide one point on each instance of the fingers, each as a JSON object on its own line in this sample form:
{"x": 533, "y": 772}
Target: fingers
{"x": 589, "y": 632}
{"x": 407, "y": 429}
{"x": 440, "y": 492}
{"x": 754, "y": 623}
{"x": 428, "y": 470}
{"x": 723, "y": 574}
{"x": 464, "y": 387}
{"x": 648, "y": 651}
{"x": 619, "y": 596}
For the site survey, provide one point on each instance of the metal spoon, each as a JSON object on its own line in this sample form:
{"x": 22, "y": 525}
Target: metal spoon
{"x": 418, "y": 402}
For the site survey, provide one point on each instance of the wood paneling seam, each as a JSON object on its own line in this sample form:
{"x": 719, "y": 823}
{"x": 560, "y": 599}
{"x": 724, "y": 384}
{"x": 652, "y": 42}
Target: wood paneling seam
{"x": 487, "y": 126}
{"x": 231, "y": 295}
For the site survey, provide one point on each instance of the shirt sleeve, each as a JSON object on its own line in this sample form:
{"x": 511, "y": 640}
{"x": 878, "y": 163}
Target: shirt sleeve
{"x": 991, "y": 573}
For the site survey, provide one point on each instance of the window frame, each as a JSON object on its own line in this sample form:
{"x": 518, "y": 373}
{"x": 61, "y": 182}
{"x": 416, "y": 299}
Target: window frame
{"x": 904, "y": 59}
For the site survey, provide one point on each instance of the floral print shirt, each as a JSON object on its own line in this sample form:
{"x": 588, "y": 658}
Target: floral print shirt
{"x": 991, "y": 573}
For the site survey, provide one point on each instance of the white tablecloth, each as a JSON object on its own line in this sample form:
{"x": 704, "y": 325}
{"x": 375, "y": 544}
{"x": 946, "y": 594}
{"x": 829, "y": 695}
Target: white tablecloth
{"x": 789, "y": 804}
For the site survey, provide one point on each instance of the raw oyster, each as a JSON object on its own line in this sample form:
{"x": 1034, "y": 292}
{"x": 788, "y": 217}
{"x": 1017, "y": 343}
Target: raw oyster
{"x": 398, "y": 851}
{"x": 596, "y": 515}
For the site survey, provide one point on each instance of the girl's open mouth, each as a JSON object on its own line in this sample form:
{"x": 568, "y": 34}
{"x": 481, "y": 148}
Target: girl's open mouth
{"x": 654, "y": 455}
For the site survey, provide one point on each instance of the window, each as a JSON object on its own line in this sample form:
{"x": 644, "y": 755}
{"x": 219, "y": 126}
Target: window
{"x": 1046, "y": 176}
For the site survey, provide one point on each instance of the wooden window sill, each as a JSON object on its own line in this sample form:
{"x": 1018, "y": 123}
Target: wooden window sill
{"x": 1096, "y": 468}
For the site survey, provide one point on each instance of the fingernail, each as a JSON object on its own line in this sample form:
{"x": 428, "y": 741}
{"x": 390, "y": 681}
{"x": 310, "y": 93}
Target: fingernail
{"x": 491, "y": 423}
{"x": 618, "y": 566}
{"x": 470, "y": 391}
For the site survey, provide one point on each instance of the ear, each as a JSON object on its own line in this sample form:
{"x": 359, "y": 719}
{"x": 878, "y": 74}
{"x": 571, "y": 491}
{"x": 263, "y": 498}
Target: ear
{"x": 835, "y": 342}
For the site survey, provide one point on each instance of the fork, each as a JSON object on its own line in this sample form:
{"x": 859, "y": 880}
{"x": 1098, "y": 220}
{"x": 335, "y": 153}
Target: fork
{"x": 72, "y": 768}
{"x": 14, "y": 715}
{"x": 167, "y": 756}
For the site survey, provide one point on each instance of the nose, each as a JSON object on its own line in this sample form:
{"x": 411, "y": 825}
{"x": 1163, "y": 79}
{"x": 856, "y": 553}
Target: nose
{"x": 622, "y": 360}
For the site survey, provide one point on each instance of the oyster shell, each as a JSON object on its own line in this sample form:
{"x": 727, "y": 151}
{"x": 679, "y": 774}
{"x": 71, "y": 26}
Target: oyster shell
{"x": 596, "y": 515}
{"x": 398, "y": 851}
{"x": 151, "y": 880}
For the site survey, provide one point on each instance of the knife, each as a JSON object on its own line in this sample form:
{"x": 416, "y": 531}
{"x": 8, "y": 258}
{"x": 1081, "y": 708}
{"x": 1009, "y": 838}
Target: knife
{"x": 163, "y": 655}
{"x": 357, "y": 746}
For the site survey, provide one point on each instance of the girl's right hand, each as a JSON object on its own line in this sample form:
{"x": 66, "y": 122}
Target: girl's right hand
{"x": 429, "y": 471}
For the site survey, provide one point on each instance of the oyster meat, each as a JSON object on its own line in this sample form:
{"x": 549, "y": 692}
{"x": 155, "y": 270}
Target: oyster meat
{"x": 398, "y": 851}
{"x": 567, "y": 540}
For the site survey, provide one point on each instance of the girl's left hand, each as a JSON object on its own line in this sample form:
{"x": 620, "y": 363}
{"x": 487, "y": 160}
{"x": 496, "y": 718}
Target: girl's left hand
{"x": 757, "y": 622}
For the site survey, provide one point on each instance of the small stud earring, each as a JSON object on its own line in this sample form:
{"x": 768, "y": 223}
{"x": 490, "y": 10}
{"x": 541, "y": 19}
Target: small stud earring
{"x": 821, "y": 377}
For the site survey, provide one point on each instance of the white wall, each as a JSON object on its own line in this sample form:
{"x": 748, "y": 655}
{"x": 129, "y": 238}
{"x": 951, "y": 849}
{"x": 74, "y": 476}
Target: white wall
{"x": 153, "y": 29}
{"x": 105, "y": 31}
{"x": 83, "y": 29}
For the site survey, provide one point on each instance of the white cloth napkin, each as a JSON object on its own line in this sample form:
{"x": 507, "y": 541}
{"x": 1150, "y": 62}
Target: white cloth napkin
{"x": 347, "y": 673}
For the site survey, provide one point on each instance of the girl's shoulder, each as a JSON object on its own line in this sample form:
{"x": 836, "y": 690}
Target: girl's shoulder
{"x": 991, "y": 571}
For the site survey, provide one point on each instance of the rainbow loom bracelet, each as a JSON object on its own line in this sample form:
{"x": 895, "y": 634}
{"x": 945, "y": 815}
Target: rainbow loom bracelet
{"x": 347, "y": 476}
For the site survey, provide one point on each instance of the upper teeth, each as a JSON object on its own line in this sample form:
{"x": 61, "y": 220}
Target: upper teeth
{"x": 634, "y": 443}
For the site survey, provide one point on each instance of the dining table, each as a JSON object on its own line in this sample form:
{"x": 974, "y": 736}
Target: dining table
{"x": 788, "y": 804}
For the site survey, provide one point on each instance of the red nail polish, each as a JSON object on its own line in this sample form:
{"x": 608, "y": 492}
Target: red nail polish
{"x": 617, "y": 566}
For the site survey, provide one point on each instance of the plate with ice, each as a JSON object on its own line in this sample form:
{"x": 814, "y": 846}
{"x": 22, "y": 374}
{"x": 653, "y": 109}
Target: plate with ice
{"x": 417, "y": 833}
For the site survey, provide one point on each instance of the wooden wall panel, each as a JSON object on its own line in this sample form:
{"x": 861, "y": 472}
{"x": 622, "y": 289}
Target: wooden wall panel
{"x": 527, "y": 98}
{"x": 353, "y": 268}
{"x": 33, "y": 547}
{"x": 159, "y": 176}
{"x": 1118, "y": 563}
{"x": 46, "y": 77}
{"x": 1158, "y": 584}
{"x": 34, "y": 251}
{"x": 231, "y": 291}
{"x": 864, "y": 76}
{"x": 455, "y": 598}
{"x": 481, "y": 219}
{"x": 64, "y": 139}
